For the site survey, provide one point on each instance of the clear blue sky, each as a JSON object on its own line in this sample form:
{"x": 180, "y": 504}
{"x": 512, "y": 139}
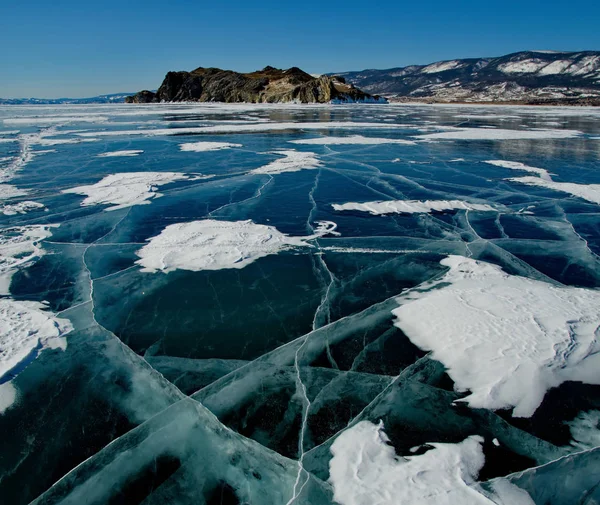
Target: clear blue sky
{"x": 83, "y": 48}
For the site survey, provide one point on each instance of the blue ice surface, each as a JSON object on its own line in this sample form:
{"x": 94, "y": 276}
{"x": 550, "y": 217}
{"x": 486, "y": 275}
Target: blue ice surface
{"x": 236, "y": 338}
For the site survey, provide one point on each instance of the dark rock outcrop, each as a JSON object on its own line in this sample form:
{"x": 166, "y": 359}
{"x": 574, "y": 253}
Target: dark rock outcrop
{"x": 269, "y": 85}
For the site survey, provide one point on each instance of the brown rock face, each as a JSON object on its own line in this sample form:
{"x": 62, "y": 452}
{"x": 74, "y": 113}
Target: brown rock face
{"x": 269, "y": 85}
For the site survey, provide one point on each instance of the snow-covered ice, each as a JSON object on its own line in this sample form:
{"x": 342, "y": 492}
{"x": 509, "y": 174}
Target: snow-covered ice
{"x": 214, "y": 245}
{"x": 365, "y": 470}
{"x": 126, "y": 189}
{"x": 19, "y": 246}
{"x": 515, "y": 165}
{"x": 291, "y": 161}
{"x": 125, "y": 153}
{"x": 506, "y": 339}
{"x": 25, "y": 329}
{"x": 351, "y": 139}
{"x": 199, "y": 147}
{"x": 589, "y": 192}
{"x": 498, "y": 134}
{"x": 411, "y": 206}
{"x": 20, "y": 208}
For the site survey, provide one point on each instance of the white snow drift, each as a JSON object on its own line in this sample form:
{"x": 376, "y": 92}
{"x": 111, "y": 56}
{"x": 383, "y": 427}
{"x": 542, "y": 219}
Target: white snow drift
{"x": 351, "y": 139}
{"x": 498, "y": 134}
{"x": 127, "y": 189}
{"x": 515, "y": 165}
{"x": 25, "y": 330}
{"x": 411, "y": 206}
{"x": 292, "y": 161}
{"x": 504, "y": 338}
{"x": 589, "y": 192}
{"x": 19, "y": 246}
{"x": 118, "y": 154}
{"x": 199, "y": 147}
{"x": 365, "y": 470}
{"x": 214, "y": 245}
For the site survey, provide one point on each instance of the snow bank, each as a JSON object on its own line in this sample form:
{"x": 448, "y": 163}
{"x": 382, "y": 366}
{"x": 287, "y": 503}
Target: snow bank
{"x": 126, "y": 189}
{"x": 515, "y": 165}
{"x": 411, "y": 206}
{"x": 215, "y": 245}
{"x": 292, "y": 161}
{"x": 365, "y": 470}
{"x": 589, "y": 192}
{"x": 505, "y": 338}
{"x": 498, "y": 134}
{"x": 352, "y": 139}
{"x": 111, "y": 154}
{"x": 198, "y": 147}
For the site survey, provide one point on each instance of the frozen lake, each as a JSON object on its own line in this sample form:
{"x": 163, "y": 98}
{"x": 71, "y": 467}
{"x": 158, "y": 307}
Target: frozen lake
{"x": 205, "y": 303}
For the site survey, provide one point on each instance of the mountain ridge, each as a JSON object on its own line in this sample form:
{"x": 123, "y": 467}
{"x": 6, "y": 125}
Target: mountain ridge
{"x": 529, "y": 77}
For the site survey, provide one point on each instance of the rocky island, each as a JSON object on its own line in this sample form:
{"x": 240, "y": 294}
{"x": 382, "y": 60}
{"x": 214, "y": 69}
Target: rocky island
{"x": 269, "y": 85}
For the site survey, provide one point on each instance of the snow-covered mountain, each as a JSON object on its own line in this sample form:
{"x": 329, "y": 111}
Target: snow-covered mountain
{"x": 528, "y": 77}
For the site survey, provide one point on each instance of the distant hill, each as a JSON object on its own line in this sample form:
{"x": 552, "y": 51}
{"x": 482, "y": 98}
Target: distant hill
{"x": 114, "y": 98}
{"x": 529, "y": 77}
{"x": 269, "y": 85}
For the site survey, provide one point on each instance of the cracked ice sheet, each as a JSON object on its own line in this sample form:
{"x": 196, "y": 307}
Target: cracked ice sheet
{"x": 292, "y": 161}
{"x": 244, "y": 128}
{"x": 26, "y": 329}
{"x": 214, "y": 245}
{"x": 351, "y": 139}
{"x": 199, "y": 147}
{"x": 127, "y": 189}
{"x": 411, "y": 206}
{"x": 589, "y": 192}
{"x": 515, "y": 165}
{"x": 499, "y": 134}
{"x": 365, "y": 470}
{"x": 507, "y": 339}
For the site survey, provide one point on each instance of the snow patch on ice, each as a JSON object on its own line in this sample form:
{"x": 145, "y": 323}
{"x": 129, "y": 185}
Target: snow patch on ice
{"x": 19, "y": 246}
{"x": 8, "y": 396}
{"x": 9, "y": 191}
{"x": 515, "y": 165}
{"x": 21, "y": 208}
{"x": 126, "y": 189}
{"x": 589, "y": 192}
{"x": 112, "y": 154}
{"x": 215, "y": 245}
{"x": 352, "y": 139}
{"x": 411, "y": 206}
{"x": 198, "y": 147}
{"x": 505, "y": 338}
{"x": 365, "y": 470}
{"x": 585, "y": 430}
{"x": 26, "y": 328}
{"x": 498, "y": 134}
{"x": 292, "y": 161}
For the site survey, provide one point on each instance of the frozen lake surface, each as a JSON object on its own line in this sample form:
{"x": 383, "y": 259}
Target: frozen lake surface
{"x": 295, "y": 304}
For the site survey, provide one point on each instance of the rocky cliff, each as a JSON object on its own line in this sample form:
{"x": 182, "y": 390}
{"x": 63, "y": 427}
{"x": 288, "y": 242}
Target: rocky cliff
{"x": 529, "y": 77}
{"x": 269, "y": 85}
